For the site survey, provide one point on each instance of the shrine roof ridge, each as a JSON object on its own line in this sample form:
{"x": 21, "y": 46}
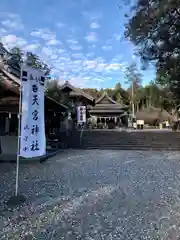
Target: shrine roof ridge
{"x": 68, "y": 85}
{"x": 105, "y": 94}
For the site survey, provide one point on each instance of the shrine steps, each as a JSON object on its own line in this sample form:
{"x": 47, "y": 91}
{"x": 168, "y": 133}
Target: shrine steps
{"x": 137, "y": 140}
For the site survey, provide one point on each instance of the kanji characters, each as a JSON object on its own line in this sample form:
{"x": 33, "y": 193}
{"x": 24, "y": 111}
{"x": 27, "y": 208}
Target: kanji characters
{"x": 25, "y": 138}
{"x": 31, "y": 128}
{"x": 35, "y": 115}
{"x": 26, "y": 127}
{"x": 24, "y": 76}
{"x": 35, "y": 129}
{"x": 34, "y": 88}
{"x": 41, "y": 81}
{"x": 25, "y": 149}
{"x": 35, "y": 146}
{"x": 35, "y": 100}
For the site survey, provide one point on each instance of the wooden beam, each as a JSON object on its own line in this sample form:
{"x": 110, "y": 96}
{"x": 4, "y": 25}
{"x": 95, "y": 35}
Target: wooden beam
{"x": 9, "y": 108}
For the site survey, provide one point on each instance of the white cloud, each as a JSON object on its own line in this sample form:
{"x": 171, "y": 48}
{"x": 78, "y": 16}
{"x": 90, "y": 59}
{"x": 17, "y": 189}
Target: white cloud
{"x": 119, "y": 37}
{"x": 101, "y": 67}
{"x": 94, "y": 25}
{"x": 60, "y": 25}
{"x": 92, "y": 15}
{"x": 53, "y": 42}
{"x": 91, "y": 37}
{"x": 91, "y": 54}
{"x": 9, "y": 40}
{"x": 113, "y": 66}
{"x": 44, "y": 34}
{"x": 79, "y": 70}
{"x": 75, "y": 47}
{"x": 117, "y": 58}
{"x": 11, "y": 21}
{"x": 2, "y": 31}
{"x": 47, "y": 51}
{"x": 73, "y": 44}
{"x": 54, "y": 56}
{"x": 12, "y": 25}
{"x": 66, "y": 59}
{"x": 21, "y": 42}
{"x": 107, "y": 48}
{"x": 61, "y": 50}
{"x": 36, "y": 33}
{"x": 79, "y": 81}
{"x": 31, "y": 47}
{"x": 90, "y": 64}
{"x": 72, "y": 41}
{"x": 82, "y": 72}
{"x": 77, "y": 55}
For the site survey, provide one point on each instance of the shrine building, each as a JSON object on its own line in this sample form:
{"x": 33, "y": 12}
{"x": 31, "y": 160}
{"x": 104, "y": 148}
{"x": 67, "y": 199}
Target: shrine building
{"x": 103, "y": 109}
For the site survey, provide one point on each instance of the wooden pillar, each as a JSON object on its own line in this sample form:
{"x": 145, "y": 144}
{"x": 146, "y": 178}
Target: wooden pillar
{"x": 7, "y": 123}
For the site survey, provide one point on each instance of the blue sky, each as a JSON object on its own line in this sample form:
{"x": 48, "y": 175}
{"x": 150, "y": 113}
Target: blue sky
{"x": 81, "y": 40}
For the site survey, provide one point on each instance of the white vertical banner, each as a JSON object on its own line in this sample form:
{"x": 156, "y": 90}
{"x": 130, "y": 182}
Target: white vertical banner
{"x": 81, "y": 114}
{"x": 32, "y": 137}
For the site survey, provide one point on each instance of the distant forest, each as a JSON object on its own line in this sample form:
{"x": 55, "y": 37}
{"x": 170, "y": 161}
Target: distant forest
{"x": 150, "y": 95}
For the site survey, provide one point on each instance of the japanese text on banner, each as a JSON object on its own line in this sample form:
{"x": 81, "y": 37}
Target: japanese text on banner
{"x": 32, "y": 123}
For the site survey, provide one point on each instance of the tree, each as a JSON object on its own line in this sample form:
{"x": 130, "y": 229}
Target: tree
{"x": 133, "y": 75}
{"x": 34, "y": 61}
{"x": 52, "y": 89}
{"x": 92, "y": 91}
{"x": 134, "y": 78}
{"x": 118, "y": 86}
{"x": 153, "y": 27}
{"x": 118, "y": 98}
{"x": 17, "y": 53}
{"x": 151, "y": 95}
{"x": 117, "y": 93}
{"x": 14, "y": 57}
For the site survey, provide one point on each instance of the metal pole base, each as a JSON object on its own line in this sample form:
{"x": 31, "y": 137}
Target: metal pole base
{"x": 15, "y": 201}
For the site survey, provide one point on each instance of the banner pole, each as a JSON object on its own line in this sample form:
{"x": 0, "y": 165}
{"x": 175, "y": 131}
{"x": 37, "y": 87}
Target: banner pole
{"x": 18, "y": 199}
{"x": 19, "y": 135}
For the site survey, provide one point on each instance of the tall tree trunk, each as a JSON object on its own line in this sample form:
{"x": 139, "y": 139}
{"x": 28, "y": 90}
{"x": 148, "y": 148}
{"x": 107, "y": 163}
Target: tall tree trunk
{"x": 132, "y": 96}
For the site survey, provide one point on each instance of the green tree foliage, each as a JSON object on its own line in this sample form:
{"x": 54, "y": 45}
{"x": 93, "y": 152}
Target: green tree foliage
{"x": 153, "y": 26}
{"x": 92, "y": 91}
{"x": 17, "y": 53}
{"x": 52, "y": 89}
{"x": 134, "y": 79}
{"x": 150, "y": 95}
{"x": 14, "y": 57}
{"x": 35, "y": 62}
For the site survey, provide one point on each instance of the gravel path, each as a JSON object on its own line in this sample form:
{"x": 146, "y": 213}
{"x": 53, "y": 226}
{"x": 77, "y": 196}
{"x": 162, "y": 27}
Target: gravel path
{"x": 97, "y": 195}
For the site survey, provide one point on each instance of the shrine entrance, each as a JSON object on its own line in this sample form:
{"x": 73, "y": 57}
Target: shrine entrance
{"x": 106, "y": 121}
{"x": 108, "y": 112}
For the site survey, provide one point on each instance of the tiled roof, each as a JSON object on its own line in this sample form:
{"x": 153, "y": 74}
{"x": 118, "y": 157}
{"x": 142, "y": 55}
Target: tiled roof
{"x": 13, "y": 83}
{"x": 68, "y": 85}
